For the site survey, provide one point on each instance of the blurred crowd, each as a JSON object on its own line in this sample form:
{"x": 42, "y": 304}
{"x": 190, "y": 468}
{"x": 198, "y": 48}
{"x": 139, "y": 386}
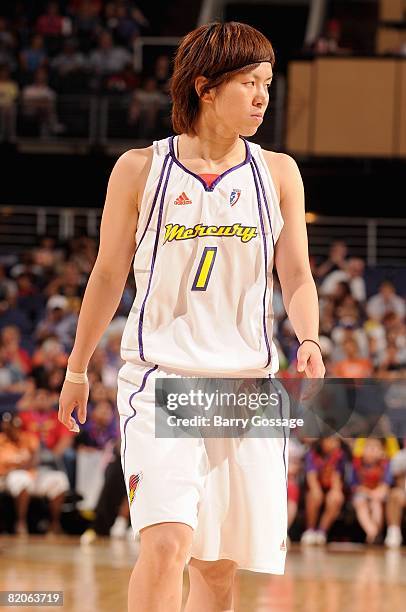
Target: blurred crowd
{"x": 74, "y": 47}
{"x": 41, "y": 290}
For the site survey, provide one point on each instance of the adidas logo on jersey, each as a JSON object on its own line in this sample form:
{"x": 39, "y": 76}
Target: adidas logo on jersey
{"x": 183, "y": 199}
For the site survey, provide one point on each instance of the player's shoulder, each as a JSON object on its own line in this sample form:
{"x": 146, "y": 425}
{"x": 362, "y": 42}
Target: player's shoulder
{"x": 284, "y": 170}
{"x": 135, "y": 159}
{"x": 133, "y": 167}
{"x": 281, "y": 162}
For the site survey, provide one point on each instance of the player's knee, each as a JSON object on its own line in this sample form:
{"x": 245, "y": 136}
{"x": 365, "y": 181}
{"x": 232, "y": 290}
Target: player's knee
{"x": 166, "y": 546}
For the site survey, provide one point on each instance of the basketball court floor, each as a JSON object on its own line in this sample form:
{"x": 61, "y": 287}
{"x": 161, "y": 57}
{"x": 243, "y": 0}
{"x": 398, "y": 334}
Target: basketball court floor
{"x": 340, "y": 578}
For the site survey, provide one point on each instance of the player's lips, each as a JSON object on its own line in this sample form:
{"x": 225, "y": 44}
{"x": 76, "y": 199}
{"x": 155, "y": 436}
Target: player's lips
{"x": 258, "y": 116}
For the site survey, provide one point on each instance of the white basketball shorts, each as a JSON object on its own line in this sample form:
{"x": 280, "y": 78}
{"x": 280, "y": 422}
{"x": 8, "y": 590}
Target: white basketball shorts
{"x": 231, "y": 491}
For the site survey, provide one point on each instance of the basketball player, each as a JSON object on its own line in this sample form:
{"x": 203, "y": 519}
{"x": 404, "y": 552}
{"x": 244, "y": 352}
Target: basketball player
{"x": 210, "y": 212}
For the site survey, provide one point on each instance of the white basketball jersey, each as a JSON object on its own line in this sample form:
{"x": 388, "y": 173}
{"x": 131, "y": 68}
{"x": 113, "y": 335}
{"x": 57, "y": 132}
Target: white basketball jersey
{"x": 203, "y": 269}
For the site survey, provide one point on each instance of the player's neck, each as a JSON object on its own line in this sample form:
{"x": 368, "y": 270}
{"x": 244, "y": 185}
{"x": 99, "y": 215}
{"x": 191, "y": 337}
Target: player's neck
{"x": 215, "y": 148}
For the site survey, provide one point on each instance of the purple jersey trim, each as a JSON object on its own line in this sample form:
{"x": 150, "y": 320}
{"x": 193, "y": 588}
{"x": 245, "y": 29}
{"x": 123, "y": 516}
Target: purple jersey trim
{"x": 265, "y": 200}
{"x": 141, "y": 319}
{"x": 153, "y": 202}
{"x": 247, "y": 160}
{"x": 266, "y": 264}
{"x": 144, "y": 381}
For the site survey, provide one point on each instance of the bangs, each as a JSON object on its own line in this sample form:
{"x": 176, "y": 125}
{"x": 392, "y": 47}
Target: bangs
{"x": 243, "y": 49}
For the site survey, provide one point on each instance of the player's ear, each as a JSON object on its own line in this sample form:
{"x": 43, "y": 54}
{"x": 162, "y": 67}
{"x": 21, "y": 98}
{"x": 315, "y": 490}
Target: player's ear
{"x": 204, "y": 94}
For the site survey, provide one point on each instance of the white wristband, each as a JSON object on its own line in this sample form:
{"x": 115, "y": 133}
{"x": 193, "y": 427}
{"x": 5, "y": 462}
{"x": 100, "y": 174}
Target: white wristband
{"x": 76, "y": 377}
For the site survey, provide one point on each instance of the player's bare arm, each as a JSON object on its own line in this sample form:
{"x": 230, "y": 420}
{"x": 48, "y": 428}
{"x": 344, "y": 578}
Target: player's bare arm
{"x": 292, "y": 263}
{"x": 107, "y": 280}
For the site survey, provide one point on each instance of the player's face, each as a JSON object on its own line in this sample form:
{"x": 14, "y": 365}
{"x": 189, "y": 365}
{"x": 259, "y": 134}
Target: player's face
{"x": 240, "y": 103}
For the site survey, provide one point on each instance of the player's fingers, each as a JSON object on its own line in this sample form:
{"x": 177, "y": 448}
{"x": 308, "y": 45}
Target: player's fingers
{"x": 73, "y": 426}
{"x": 302, "y": 360}
{"x": 66, "y": 417}
{"x": 82, "y": 412}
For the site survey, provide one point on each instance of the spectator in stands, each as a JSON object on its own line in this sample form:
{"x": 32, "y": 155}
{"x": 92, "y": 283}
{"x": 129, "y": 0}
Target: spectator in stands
{"x": 124, "y": 81}
{"x": 107, "y": 58}
{"x": 10, "y": 341}
{"x": 296, "y": 452}
{"x": 8, "y": 99}
{"x": 6, "y": 36}
{"x": 39, "y": 103}
{"x": 396, "y": 501}
{"x": 112, "y": 510}
{"x": 384, "y": 302}
{"x": 70, "y": 67}
{"x": 352, "y": 366}
{"x": 22, "y": 476}
{"x": 93, "y": 6}
{"x": 12, "y": 379}
{"x": 130, "y": 20}
{"x": 69, "y": 283}
{"x": 53, "y": 26}
{"x": 100, "y": 428}
{"x": 86, "y": 21}
{"x": 33, "y": 57}
{"x": 8, "y": 287}
{"x": 392, "y": 359}
{"x": 336, "y": 259}
{"x": 49, "y": 356}
{"x": 26, "y": 265}
{"x": 83, "y": 252}
{"x": 109, "y": 16}
{"x": 46, "y": 256}
{"x": 10, "y": 315}
{"x": 113, "y": 358}
{"x": 38, "y": 413}
{"x": 145, "y": 107}
{"x": 329, "y": 42}
{"x": 59, "y": 322}
{"x": 7, "y": 57}
{"x": 324, "y": 467}
{"x": 103, "y": 375}
{"x": 162, "y": 73}
{"x": 371, "y": 479}
{"x": 352, "y": 273}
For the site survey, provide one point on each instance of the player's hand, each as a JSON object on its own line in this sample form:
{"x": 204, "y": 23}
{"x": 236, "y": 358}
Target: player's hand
{"x": 73, "y": 396}
{"x": 310, "y": 361}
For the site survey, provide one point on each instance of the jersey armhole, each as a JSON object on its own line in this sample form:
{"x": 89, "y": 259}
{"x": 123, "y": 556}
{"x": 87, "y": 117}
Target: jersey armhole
{"x": 276, "y": 208}
{"x": 152, "y": 179}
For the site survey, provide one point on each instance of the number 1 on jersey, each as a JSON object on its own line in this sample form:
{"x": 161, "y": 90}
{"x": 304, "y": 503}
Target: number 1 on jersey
{"x": 204, "y": 269}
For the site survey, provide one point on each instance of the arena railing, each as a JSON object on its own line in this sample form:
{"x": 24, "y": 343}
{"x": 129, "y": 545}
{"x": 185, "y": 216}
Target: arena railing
{"x": 76, "y": 123}
{"x": 378, "y": 241}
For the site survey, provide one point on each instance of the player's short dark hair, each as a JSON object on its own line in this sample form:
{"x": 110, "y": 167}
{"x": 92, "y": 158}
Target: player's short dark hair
{"x": 216, "y": 51}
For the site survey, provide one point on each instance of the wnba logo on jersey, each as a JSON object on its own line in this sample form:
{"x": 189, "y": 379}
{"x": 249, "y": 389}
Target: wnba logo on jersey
{"x": 134, "y": 481}
{"x": 235, "y": 196}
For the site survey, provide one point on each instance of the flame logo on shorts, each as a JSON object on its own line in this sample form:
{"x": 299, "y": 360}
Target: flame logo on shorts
{"x": 134, "y": 481}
